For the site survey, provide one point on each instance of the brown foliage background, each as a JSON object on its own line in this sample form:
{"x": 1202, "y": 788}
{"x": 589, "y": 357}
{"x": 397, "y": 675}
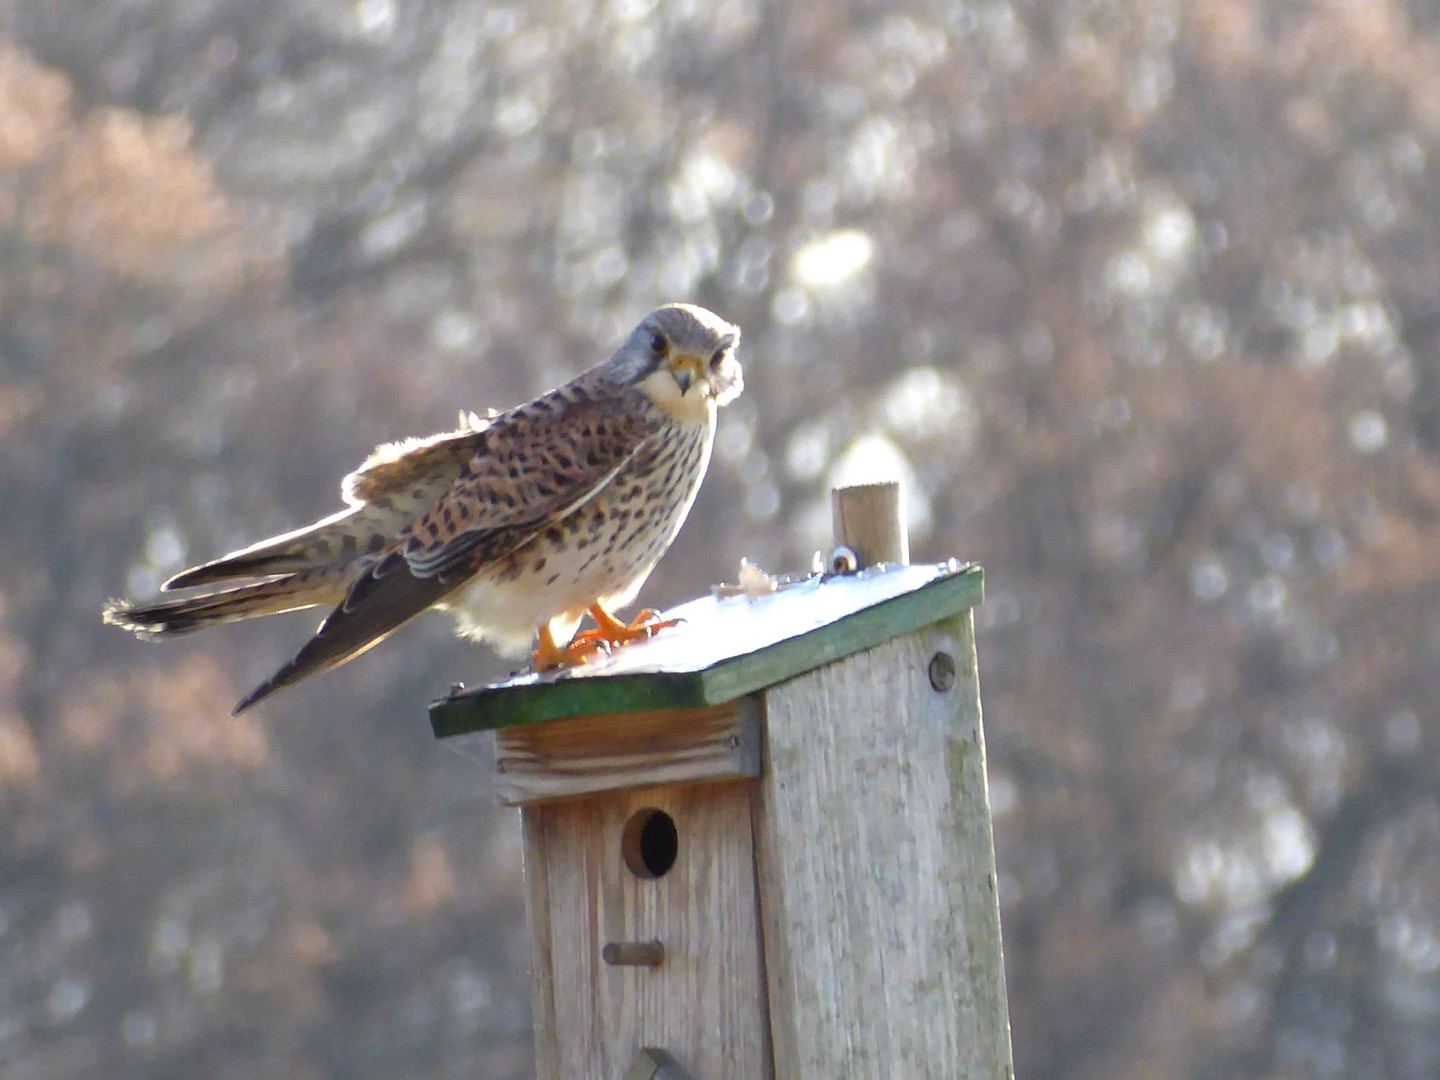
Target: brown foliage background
{"x": 1140, "y": 296}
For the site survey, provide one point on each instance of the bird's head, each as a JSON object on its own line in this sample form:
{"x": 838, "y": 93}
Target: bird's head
{"x": 684, "y": 360}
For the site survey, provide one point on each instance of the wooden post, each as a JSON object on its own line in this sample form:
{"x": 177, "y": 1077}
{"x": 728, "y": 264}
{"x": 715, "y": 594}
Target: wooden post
{"x": 758, "y": 846}
{"x": 869, "y": 519}
{"x": 875, "y": 860}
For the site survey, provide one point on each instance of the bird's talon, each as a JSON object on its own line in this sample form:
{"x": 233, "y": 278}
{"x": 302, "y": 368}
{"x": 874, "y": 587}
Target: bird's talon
{"x": 608, "y": 634}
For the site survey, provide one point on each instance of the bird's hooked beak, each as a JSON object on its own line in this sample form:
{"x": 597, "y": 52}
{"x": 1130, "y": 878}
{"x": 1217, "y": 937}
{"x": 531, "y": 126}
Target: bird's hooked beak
{"x": 688, "y": 370}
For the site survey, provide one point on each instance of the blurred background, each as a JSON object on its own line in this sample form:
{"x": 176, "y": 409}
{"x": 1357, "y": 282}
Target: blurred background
{"x": 1140, "y": 297}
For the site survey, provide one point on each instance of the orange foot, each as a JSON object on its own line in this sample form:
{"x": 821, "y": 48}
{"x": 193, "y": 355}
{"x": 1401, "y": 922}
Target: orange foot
{"x": 549, "y": 655}
{"x": 609, "y": 633}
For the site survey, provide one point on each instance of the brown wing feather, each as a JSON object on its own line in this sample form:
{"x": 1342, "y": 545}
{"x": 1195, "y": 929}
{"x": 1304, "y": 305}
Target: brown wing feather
{"x": 401, "y": 468}
{"x": 532, "y": 467}
{"x": 379, "y": 602}
{"x": 547, "y": 461}
{"x": 388, "y": 492}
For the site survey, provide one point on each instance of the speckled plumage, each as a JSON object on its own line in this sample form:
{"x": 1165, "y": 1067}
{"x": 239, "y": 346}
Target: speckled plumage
{"x": 517, "y": 522}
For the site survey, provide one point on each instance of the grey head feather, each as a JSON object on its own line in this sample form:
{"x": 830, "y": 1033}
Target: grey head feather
{"x": 685, "y": 327}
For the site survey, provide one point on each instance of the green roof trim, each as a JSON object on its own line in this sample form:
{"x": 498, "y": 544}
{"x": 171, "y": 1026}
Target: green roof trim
{"x": 727, "y": 647}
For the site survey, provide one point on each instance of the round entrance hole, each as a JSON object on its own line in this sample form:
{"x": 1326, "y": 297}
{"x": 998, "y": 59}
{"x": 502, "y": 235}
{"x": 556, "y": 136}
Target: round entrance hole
{"x": 650, "y": 843}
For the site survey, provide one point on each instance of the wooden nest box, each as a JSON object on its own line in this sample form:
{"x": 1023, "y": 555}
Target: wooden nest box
{"x": 758, "y": 845}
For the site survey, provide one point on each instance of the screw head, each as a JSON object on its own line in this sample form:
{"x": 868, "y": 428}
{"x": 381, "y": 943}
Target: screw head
{"x": 942, "y": 671}
{"x": 843, "y": 561}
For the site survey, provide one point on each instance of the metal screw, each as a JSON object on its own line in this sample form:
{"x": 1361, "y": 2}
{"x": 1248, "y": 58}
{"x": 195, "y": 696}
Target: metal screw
{"x": 942, "y": 671}
{"x": 843, "y": 561}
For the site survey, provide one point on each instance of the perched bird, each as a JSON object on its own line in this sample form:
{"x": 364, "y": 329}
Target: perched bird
{"x": 519, "y": 522}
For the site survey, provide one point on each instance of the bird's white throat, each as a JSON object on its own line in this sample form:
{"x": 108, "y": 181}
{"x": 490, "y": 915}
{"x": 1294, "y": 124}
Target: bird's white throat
{"x": 695, "y": 407}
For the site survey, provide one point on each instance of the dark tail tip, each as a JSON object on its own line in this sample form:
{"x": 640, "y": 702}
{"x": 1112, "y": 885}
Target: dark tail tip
{"x": 259, "y": 694}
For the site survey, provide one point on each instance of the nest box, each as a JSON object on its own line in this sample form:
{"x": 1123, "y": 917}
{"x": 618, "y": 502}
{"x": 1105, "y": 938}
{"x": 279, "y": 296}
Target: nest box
{"x": 758, "y": 845}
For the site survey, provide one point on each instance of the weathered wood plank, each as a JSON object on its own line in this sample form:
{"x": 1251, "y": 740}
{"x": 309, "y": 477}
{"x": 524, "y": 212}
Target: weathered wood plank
{"x": 877, "y": 869}
{"x": 589, "y": 754}
{"x": 705, "y": 1004}
{"x": 728, "y": 647}
{"x": 540, "y": 922}
{"x": 653, "y": 1063}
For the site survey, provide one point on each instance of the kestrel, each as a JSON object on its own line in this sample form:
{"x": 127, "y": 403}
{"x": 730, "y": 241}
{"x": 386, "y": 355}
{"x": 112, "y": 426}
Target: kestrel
{"x": 519, "y": 522}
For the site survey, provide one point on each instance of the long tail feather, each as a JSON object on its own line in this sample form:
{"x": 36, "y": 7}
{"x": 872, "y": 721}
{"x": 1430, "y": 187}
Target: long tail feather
{"x": 337, "y": 537}
{"x": 183, "y": 615}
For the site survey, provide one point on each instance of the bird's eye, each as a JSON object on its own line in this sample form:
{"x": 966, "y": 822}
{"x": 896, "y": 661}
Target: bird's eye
{"x": 717, "y": 359}
{"x": 658, "y": 344}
